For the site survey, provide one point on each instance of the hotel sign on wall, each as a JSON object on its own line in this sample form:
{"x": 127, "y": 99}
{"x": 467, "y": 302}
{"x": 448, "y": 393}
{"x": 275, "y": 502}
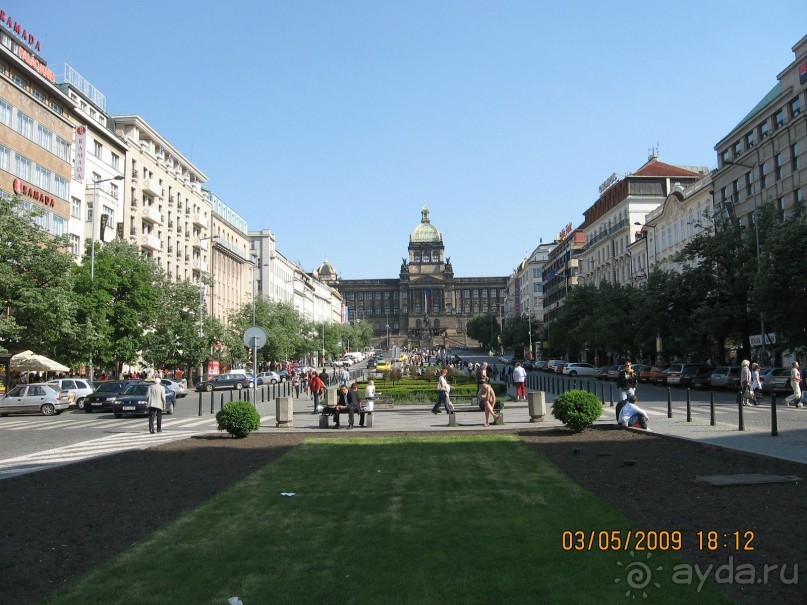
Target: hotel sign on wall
{"x": 33, "y": 46}
{"x": 25, "y": 190}
{"x": 81, "y": 152}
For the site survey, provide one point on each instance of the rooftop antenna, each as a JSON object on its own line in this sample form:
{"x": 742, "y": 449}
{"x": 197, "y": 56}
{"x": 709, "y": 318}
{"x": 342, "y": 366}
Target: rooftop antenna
{"x": 652, "y": 153}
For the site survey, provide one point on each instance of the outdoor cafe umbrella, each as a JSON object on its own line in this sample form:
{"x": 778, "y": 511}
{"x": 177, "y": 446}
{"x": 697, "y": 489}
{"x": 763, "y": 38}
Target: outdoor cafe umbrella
{"x": 28, "y": 361}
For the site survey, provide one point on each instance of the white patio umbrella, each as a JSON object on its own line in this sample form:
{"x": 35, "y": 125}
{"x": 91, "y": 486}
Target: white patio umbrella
{"x": 28, "y": 361}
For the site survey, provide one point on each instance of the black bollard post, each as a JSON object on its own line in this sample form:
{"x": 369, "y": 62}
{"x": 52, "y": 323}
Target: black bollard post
{"x": 611, "y": 389}
{"x": 669, "y": 402}
{"x": 712, "y": 408}
{"x": 689, "y": 406}
{"x": 212, "y": 394}
{"x": 740, "y": 418}
{"x": 200, "y": 402}
{"x": 774, "y": 421}
{"x": 221, "y": 402}
{"x": 602, "y": 393}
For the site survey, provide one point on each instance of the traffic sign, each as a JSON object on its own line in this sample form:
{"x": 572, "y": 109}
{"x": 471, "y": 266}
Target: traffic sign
{"x": 254, "y": 337}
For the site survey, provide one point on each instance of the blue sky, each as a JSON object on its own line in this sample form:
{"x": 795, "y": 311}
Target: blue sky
{"x": 332, "y": 122}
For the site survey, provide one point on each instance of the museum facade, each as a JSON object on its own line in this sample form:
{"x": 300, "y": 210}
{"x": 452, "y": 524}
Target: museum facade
{"x": 426, "y": 305}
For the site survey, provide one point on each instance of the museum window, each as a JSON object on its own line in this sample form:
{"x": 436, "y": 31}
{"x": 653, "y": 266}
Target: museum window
{"x": 795, "y": 107}
{"x": 435, "y": 257}
{"x": 417, "y": 257}
{"x": 475, "y": 294}
{"x": 764, "y": 130}
{"x": 750, "y": 139}
{"x": 779, "y": 118}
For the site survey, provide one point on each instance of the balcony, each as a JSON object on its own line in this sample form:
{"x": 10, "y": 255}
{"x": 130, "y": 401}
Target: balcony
{"x": 200, "y": 220}
{"x": 152, "y": 215}
{"x": 150, "y": 242}
{"x": 152, "y": 187}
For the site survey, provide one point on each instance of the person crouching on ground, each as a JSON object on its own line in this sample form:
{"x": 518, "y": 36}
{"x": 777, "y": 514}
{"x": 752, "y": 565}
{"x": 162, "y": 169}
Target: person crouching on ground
{"x": 631, "y": 415}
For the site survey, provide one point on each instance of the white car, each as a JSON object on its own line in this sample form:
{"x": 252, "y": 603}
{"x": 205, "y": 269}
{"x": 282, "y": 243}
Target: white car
{"x": 79, "y": 386}
{"x": 578, "y": 369}
{"x": 270, "y": 377}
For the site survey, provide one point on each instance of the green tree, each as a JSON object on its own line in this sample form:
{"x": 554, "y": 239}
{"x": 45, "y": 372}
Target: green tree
{"x": 120, "y": 302}
{"x": 484, "y": 328}
{"x": 35, "y": 285}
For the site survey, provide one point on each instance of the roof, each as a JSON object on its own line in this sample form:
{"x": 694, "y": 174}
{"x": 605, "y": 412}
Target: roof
{"x": 425, "y": 232}
{"x": 656, "y": 168}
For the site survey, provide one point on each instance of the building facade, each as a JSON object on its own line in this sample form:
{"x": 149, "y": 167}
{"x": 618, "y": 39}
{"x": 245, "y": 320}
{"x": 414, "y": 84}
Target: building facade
{"x": 762, "y": 160}
{"x": 426, "y": 305}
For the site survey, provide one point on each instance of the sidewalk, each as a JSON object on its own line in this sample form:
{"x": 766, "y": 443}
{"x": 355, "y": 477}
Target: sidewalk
{"x": 790, "y": 444}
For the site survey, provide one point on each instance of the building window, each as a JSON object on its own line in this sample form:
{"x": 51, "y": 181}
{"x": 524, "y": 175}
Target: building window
{"x": 43, "y": 177}
{"x": 60, "y": 187}
{"x": 779, "y": 118}
{"x": 5, "y": 112}
{"x": 115, "y": 161}
{"x": 725, "y": 157}
{"x": 764, "y": 130}
{"x": 62, "y": 149}
{"x": 738, "y": 149}
{"x": 763, "y": 181}
{"x": 75, "y": 207}
{"x": 25, "y": 125}
{"x": 777, "y": 165}
{"x": 749, "y": 183}
{"x": 750, "y": 139}
{"x": 435, "y": 257}
{"x": 97, "y": 149}
{"x": 794, "y": 157}
{"x": 795, "y": 107}
{"x": 5, "y": 157}
{"x": 75, "y": 240}
{"x": 24, "y": 167}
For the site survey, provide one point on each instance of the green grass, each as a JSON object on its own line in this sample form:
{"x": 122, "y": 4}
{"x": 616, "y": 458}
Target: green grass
{"x": 457, "y": 519}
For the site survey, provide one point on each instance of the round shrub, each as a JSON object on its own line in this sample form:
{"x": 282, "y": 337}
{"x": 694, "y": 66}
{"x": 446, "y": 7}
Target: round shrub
{"x": 577, "y": 409}
{"x": 239, "y": 418}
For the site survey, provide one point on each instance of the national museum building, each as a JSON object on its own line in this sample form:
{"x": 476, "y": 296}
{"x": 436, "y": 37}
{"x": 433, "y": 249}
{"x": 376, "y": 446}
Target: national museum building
{"x": 425, "y": 305}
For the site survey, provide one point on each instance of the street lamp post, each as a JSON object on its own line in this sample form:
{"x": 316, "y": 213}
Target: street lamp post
{"x": 94, "y": 187}
{"x": 755, "y": 217}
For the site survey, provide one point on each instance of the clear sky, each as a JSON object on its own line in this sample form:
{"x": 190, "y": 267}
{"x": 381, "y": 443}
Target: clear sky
{"x": 332, "y": 122}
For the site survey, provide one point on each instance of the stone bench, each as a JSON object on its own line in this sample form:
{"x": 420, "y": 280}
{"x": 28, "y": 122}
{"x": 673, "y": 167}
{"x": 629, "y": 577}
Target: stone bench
{"x": 452, "y": 415}
{"x": 326, "y": 413}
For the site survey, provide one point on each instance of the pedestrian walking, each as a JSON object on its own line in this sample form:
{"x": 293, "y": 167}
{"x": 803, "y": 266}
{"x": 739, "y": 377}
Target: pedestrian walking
{"x": 155, "y": 397}
{"x": 795, "y": 384}
{"x": 626, "y": 381}
{"x": 520, "y": 382}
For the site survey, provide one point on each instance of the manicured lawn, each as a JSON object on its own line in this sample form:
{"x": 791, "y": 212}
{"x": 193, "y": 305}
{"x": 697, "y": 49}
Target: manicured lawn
{"x": 457, "y": 519}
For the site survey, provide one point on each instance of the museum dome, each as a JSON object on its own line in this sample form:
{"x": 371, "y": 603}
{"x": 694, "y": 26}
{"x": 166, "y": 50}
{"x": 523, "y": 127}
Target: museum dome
{"x": 326, "y": 270}
{"x": 425, "y": 232}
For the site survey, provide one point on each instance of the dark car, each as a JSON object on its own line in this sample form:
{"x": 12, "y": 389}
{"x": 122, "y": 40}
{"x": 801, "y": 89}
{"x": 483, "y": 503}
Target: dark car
{"x": 703, "y": 379}
{"x": 681, "y": 374}
{"x": 613, "y": 372}
{"x": 132, "y": 402}
{"x": 733, "y": 378}
{"x": 371, "y": 363}
{"x": 102, "y": 398}
{"x": 224, "y": 381}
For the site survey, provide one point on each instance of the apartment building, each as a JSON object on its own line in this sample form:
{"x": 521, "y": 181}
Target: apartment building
{"x": 762, "y": 160}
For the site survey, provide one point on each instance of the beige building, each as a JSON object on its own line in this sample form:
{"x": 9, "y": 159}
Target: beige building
{"x": 762, "y": 160}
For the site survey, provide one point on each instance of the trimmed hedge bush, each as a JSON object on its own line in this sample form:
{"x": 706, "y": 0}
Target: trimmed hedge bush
{"x": 239, "y": 418}
{"x": 577, "y": 409}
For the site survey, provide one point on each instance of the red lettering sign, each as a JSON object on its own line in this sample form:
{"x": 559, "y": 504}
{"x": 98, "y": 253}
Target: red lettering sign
{"x": 25, "y": 190}
{"x": 17, "y": 29}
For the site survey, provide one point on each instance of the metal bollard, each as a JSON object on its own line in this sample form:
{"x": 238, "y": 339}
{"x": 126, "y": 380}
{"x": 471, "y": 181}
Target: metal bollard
{"x": 774, "y": 422}
{"x": 611, "y": 389}
{"x": 741, "y": 418}
{"x": 212, "y": 394}
{"x": 689, "y": 406}
{"x": 602, "y": 393}
{"x": 712, "y": 408}
{"x": 200, "y": 402}
{"x": 669, "y": 402}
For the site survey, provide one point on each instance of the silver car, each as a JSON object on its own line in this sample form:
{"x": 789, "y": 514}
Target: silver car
{"x": 180, "y": 387}
{"x": 34, "y": 398}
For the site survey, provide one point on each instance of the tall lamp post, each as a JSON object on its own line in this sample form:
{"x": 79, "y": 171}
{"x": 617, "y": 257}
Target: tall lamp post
{"x": 94, "y": 187}
{"x": 755, "y": 218}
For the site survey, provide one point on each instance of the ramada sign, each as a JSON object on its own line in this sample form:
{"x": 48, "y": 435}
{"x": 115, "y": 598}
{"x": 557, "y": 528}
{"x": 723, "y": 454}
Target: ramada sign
{"x": 18, "y": 30}
{"x": 26, "y": 190}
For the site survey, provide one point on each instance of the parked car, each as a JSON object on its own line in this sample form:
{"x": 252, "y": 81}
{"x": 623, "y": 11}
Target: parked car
{"x": 681, "y": 374}
{"x": 34, "y": 398}
{"x": 613, "y": 371}
{"x": 179, "y": 387}
{"x": 780, "y": 383}
{"x": 79, "y": 386}
{"x": 540, "y": 364}
{"x": 102, "y": 398}
{"x": 652, "y": 374}
{"x": 578, "y": 369}
{"x": 372, "y": 363}
{"x": 552, "y": 363}
{"x": 225, "y": 381}
{"x": 719, "y": 377}
{"x": 767, "y": 374}
{"x": 270, "y": 377}
{"x": 384, "y": 365}
{"x": 601, "y": 373}
{"x": 559, "y": 367}
{"x": 703, "y": 379}
{"x": 507, "y": 359}
{"x": 733, "y": 378}
{"x": 133, "y": 402}
{"x": 638, "y": 368}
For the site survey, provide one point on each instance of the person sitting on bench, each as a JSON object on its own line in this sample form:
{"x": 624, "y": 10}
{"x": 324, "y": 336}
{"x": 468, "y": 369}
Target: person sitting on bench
{"x": 349, "y": 402}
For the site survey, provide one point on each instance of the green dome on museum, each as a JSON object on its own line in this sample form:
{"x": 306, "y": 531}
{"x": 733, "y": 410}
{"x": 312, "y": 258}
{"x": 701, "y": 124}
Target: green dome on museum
{"x": 425, "y": 232}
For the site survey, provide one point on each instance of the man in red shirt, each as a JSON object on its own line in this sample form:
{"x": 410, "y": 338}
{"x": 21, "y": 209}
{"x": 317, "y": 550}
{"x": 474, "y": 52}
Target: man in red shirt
{"x": 316, "y": 386}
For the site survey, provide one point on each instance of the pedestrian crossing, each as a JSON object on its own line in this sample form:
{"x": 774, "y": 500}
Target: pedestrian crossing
{"x": 69, "y": 424}
{"x": 138, "y": 438}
